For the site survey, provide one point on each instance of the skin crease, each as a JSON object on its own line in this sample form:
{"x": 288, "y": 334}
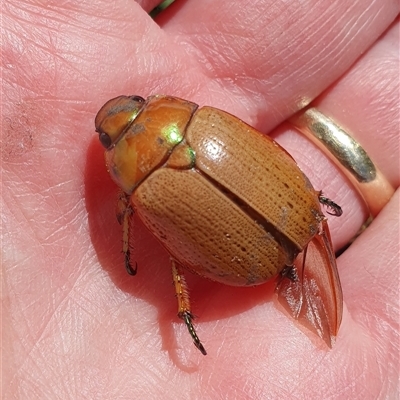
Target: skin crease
{"x": 74, "y": 324}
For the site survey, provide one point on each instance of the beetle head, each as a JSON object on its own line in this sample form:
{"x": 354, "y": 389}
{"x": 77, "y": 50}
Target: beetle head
{"x": 115, "y": 116}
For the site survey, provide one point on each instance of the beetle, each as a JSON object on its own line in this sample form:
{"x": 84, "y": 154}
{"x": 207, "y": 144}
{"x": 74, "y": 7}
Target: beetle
{"x": 227, "y": 203}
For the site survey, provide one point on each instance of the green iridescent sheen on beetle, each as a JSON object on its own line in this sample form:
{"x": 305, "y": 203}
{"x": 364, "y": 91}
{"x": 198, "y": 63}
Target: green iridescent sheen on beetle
{"x": 172, "y": 134}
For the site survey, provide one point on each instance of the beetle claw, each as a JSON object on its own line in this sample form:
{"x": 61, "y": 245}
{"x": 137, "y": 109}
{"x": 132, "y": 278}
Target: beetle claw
{"x": 290, "y": 273}
{"x": 128, "y": 266}
{"x": 336, "y": 209}
{"x": 187, "y": 317}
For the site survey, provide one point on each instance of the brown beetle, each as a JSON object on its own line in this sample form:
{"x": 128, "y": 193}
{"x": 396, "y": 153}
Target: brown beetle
{"x": 227, "y": 202}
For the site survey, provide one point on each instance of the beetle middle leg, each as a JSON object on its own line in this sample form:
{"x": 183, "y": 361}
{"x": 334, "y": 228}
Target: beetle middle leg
{"x": 124, "y": 214}
{"x": 184, "y": 304}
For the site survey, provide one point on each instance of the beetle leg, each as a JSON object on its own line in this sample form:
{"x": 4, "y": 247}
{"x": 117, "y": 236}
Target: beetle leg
{"x": 184, "y": 312}
{"x": 289, "y": 272}
{"x": 295, "y": 280}
{"x": 336, "y": 209}
{"x": 124, "y": 213}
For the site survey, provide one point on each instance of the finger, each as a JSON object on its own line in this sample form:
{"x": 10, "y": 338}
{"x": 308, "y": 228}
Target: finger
{"x": 264, "y": 65}
{"x": 371, "y": 283}
{"x": 365, "y": 102}
{"x": 149, "y": 5}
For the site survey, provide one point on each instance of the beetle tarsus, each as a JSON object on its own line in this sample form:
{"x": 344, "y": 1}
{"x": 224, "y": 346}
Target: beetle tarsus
{"x": 182, "y": 295}
{"x": 129, "y": 269}
{"x": 290, "y": 273}
{"x": 336, "y": 209}
{"x": 187, "y": 317}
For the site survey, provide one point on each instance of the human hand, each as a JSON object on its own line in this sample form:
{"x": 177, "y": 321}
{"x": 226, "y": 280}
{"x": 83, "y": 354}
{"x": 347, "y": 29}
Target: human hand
{"x": 74, "y": 324}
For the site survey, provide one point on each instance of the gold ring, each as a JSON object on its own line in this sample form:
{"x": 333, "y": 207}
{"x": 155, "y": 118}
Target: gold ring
{"x": 348, "y": 155}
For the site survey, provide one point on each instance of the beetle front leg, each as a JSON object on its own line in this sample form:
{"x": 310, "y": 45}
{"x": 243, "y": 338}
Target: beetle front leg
{"x": 124, "y": 213}
{"x": 184, "y": 312}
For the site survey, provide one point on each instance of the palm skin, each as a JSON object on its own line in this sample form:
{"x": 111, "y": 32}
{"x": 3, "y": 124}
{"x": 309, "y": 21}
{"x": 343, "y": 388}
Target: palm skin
{"x": 75, "y": 325}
